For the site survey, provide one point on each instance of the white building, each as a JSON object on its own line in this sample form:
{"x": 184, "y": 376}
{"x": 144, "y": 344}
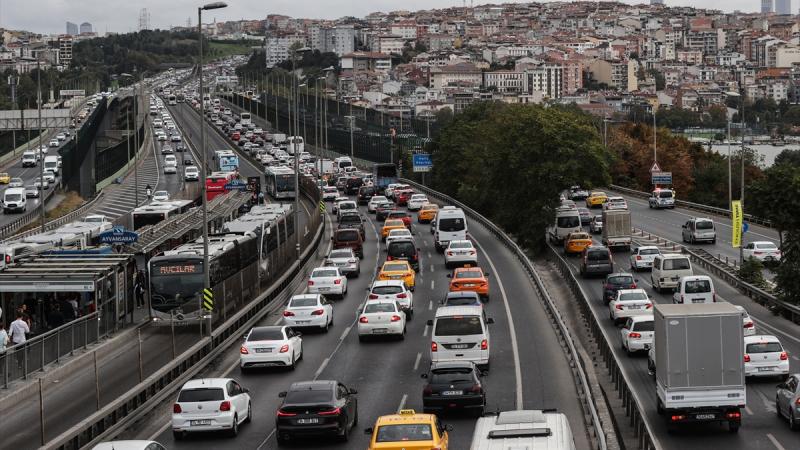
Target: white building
{"x": 277, "y": 47}
{"x": 388, "y": 44}
{"x": 339, "y": 39}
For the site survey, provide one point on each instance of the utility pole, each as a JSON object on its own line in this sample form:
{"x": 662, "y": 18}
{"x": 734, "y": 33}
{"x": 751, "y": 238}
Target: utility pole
{"x": 655, "y": 135}
{"x": 41, "y": 153}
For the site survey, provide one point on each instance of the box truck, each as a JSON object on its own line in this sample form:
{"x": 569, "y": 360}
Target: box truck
{"x": 617, "y": 228}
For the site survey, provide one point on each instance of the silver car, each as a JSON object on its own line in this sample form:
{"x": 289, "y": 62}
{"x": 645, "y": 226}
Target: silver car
{"x": 787, "y": 400}
{"x": 347, "y": 262}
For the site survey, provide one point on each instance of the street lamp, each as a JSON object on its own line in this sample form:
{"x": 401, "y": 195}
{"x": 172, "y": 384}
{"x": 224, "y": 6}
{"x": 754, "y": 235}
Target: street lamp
{"x": 730, "y": 183}
{"x": 352, "y": 120}
{"x": 296, "y": 153}
{"x": 136, "y": 149}
{"x": 203, "y": 152}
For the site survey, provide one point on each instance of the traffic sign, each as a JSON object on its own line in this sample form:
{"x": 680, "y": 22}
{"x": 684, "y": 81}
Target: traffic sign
{"x": 422, "y": 162}
{"x": 236, "y": 185}
{"x": 118, "y": 235}
{"x": 745, "y": 227}
{"x": 661, "y": 177}
{"x": 655, "y": 168}
{"x": 208, "y": 299}
{"x": 322, "y": 206}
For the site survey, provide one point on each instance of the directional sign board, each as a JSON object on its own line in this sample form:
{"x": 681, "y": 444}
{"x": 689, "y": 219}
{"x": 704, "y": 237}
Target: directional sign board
{"x": 661, "y": 177}
{"x": 422, "y": 162}
{"x": 118, "y": 235}
{"x": 236, "y": 185}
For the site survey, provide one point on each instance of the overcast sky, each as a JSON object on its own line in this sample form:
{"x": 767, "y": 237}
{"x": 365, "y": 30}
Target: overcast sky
{"x": 50, "y": 16}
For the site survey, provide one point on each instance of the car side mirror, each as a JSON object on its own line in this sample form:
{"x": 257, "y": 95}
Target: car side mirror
{"x": 245, "y": 390}
{"x": 487, "y": 274}
{"x": 282, "y": 394}
{"x": 429, "y": 322}
{"x": 425, "y": 375}
{"x": 298, "y": 334}
{"x": 367, "y": 289}
{"x": 490, "y": 320}
{"x": 353, "y": 391}
{"x": 483, "y": 373}
{"x": 683, "y": 226}
{"x": 331, "y": 237}
{"x": 368, "y": 430}
{"x": 781, "y": 386}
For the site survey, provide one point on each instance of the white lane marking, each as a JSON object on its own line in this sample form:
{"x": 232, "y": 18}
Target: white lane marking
{"x": 432, "y": 284}
{"x": 431, "y": 267}
{"x": 321, "y": 368}
{"x": 795, "y": 358}
{"x": 277, "y": 321}
{"x": 775, "y": 442}
{"x": 748, "y": 411}
{"x": 761, "y": 323}
{"x": 425, "y": 331}
{"x": 345, "y": 333}
{"x": 429, "y": 253}
{"x": 402, "y": 402}
{"x": 416, "y": 361}
{"x": 430, "y": 305}
{"x": 260, "y": 446}
{"x": 511, "y": 328}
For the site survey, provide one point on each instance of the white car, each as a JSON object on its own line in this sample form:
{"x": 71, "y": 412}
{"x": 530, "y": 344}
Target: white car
{"x": 170, "y": 169}
{"x": 399, "y": 235}
{"x": 637, "y": 333}
{"x": 394, "y": 290}
{"x": 381, "y": 318}
{"x": 191, "y": 173}
{"x": 642, "y": 257}
{"x": 762, "y": 251}
{"x": 460, "y": 252}
{"x": 61, "y": 137}
{"x": 764, "y": 356}
{"x": 31, "y": 191}
{"x": 374, "y": 202}
{"x": 274, "y": 346}
{"x": 160, "y": 196}
{"x": 175, "y": 138}
{"x": 615, "y": 203}
{"x": 129, "y": 445}
{"x": 329, "y": 193}
{"x": 747, "y": 322}
{"x": 308, "y": 310}
{"x": 49, "y": 175}
{"x": 16, "y": 182}
{"x": 389, "y": 191}
{"x": 345, "y": 260}
{"x": 416, "y": 201}
{"x": 210, "y": 404}
{"x": 327, "y": 281}
{"x": 347, "y": 205}
{"x": 596, "y": 225}
{"x": 157, "y": 123}
{"x": 162, "y": 136}
{"x": 629, "y": 303}
{"x": 54, "y": 143}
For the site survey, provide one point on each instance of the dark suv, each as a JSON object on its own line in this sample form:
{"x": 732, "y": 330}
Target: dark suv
{"x": 383, "y": 210}
{"x": 316, "y": 408}
{"x": 403, "y": 251}
{"x": 365, "y": 194}
{"x": 349, "y": 238}
{"x": 615, "y": 282}
{"x": 596, "y": 260}
{"x": 352, "y": 185}
{"x": 453, "y": 385}
{"x": 352, "y": 220}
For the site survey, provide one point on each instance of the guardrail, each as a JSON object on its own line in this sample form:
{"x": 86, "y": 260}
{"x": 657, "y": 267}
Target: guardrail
{"x": 115, "y": 417}
{"x": 587, "y": 398}
{"x": 57, "y": 222}
{"x": 695, "y": 206}
{"x": 27, "y": 217}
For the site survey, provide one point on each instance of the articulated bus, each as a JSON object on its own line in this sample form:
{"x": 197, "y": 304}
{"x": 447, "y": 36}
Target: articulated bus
{"x": 157, "y": 211}
{"x": 245, "y": 118}
{"x": 172, "y": 100}
{"x": 227, "y": 160}
{"x": 215, "y": 183}
{"x": 279, "y": 182}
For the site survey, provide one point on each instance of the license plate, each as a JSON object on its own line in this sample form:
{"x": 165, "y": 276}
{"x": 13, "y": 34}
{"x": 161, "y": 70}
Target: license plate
{"x": 698, "y": 300}
{"x": 199, "y": 422}
{"x": 469, "y": 285}
{"x": 324, "y": 289}
{"x": 765, "y": 369}
{"x": 307, "y": 421}
{"x": 379, "y": 331}
{"x": 452, "y": 392}
{"x": 634, "y": 307}
{"x": 457, "y": 346}
{"x": 705, "y": 416}
{"x": 263, "y": 350}
{"x": 300, "y": 322}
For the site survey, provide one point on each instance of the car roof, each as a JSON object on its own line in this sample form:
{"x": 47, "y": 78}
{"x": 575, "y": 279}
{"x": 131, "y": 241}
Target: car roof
{"x": 462, "y": 294}
{"x": 269, "y": 328}
{"x": 316, "y": 385}
{"x": 461, "y": 310}
{"x": 206, "y": 383}
{"x": 388, "y": 283}
{"x": 760, "y": 338}
{"x": 405, "y": 416}
{"x": 465, "y": 269}
{"x": 672, "y": 255}
{"x": 696, "y": 277}
{"x": 400, "y": 261}
{"x": 452, "y": 365}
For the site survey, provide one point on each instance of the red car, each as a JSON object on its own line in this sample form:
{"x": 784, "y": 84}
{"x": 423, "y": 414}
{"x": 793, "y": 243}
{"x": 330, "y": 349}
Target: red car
{"x": 402, "y": 215}
{"x": 403, "y": 196}
{"x": 235, "y": 136}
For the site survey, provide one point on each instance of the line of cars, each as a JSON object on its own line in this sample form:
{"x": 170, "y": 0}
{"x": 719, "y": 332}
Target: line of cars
{"x": 171, "y": 142}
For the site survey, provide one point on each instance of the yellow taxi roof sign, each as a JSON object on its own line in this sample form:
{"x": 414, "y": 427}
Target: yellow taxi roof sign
{"x": 407, "y": 412}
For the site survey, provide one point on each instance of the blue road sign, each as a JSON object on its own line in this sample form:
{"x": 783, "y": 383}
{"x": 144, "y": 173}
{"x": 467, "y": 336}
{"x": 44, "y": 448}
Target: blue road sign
{"x": 236, "y": 185}
{"x": 745, "y": 227}
{"x": 118, "y": 235}
{"x": 662, "y": 177}
{"x": 422, "y": 162}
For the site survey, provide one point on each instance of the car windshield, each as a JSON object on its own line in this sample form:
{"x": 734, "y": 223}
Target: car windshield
{"x": 201, "y": 395}
{"x": 306, "y": 301}
{"x": 704, "y": 225}
{"x": 633, "y": 296}
{"x": 568, "y": 222}
{"x": 665, "y": 194}
{"x": 13, "y": 197}
{"x": 677, "y": 264}
{"x": 323, "y": 273}
{"x": 451, "y": 224}
{"x": 379, "y": 307}
{"x": 649, "y": 251}
{"x": 469, "y": 274}
{"x": 401, "y": 249}
{"x": 764, "y": 347}
{"x": 697, "y": 286}
{"x": 340, "y": 254}
{"x": 458, "y": 326}
{"x": 308, "y": 396}
{"x": 395, "y": 267}
{"x": 387, "y": 290}
{"x": 580, "y": 236}
{"x": 620, "y": 280}
{"x": 404, "y": 432}
{"x": 451, "y": 375}
{"x": 461, "y": 244}
{"x": 265, "y": 334}
{"x": 767, "y": 246}
{"x": 347, "y": 235}
{"x": 647, "y": 325}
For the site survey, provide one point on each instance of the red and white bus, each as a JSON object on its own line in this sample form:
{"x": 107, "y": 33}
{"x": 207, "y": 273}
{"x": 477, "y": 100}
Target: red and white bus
{"x": 215, "y": 183}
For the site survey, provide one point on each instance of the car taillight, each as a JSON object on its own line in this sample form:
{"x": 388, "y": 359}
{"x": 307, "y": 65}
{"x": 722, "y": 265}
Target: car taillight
{"x": 618, "y": 307}
{"x": 733, "y": 415}
{"x": 797, "y": 402}
{"x": 225, "y": 406}
{"x": 390, "y": 258}
{"x": 434, "y": 347}
{"x": 449, "y": 253}
{"x": 648, "y": 306}
{"x": 681, "y": 298}
{"x": 288, "y": 314}
{"x": 363, "y": 319}
{"x": 713, "y": 296}
{"x": 8, "y": 259}
{"x": 395, "y": 318}
{"x": 749, "y": 325}
{"x": 476, "y": 388}
{"x": 333, "y": 412}
{"x": 635, "y": 335}
{"x": 784, "y": 356}
{"x": 758, "y": 253}
{"x": 310, "y": 283}
{"x": 317, "y": 312}
{"x": 427, "y": 391}
{"x": 373, "y": 296}
{"x": 633, "y": 286}
{"x": 402, "y": 296}
{"x": 471, "y": 252}
{"x": 244, "y": 351}
{"x": 284, "y": 348}
{"x": 337, "y": 281}
{"x": 176, "y": 409}
{"x": 638, "y": 257}
{"x": 352, "y": 261}
{"x": 746, "y": 358}
{"x": 677, "y": 417}
{"x": 484, "y": 345}
{"x": 285, "y": 414}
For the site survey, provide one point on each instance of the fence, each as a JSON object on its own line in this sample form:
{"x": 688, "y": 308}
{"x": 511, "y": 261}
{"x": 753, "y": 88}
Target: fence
{"x": 74, "y": 152}
{"x": 55, "y": 223}
{"x": 110, "y": 160}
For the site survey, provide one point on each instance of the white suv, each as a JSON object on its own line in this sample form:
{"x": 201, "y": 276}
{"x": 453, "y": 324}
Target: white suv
{"x": 210, "y": 404}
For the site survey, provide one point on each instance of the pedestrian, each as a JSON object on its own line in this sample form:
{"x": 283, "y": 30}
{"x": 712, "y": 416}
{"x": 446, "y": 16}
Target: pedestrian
{"x": 4, "y": 340}
{"x": 66, "y": 310}
{"x": 139, "y": 289}
{"x": 260, "y": 198}
{"x": 19, "y": 329}
{"x": 74, "y": 303}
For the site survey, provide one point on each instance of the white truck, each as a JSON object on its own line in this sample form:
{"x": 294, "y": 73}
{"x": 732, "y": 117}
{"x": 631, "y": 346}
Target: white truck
{"x": 278, "y": 138}
{"x": 617, "y": 228}
{"x": 698, "y": 356}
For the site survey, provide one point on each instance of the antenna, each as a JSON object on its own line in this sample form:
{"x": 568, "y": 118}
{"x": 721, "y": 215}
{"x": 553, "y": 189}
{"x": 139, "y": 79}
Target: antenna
{"x": 144, "y": 19}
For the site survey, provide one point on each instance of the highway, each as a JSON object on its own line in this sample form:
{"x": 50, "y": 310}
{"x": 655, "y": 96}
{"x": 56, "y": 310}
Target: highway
{"x": 761, "y": 428}
{"x": 528, "y": 366}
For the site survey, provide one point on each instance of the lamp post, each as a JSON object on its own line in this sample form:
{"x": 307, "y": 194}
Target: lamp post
{"x": 352, "y": 120}
{"x": 296, "y": 153}
{"x": 136, "y": 140}
{"x": 203, "y": 152}
{"x": 41, "y": 152}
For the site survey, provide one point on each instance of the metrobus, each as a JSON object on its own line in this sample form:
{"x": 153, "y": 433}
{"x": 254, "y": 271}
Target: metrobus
{"x": 227, "y": 160}
{"x": 245, "y": 118}
{"x": 172, "y": 100}
{"x": 215, "y": 183}
{"x": 157, "y": 211}
{"x": 384, "y": 174}
{"x": 180, "y": 98}
{"x": 291, "y": 141}
{"x": 279, "y": 182}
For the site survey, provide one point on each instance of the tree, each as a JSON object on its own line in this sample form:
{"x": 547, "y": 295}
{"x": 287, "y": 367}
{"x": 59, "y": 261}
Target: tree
{"x": 503, "y": 153}
{"x": 661, "y": 82}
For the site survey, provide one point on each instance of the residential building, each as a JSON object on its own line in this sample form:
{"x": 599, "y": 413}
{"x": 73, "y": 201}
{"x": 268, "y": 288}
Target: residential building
{"x": 65, "y": 49}
{"x": 388, "y": 44}
{"x": 618, "y": 74}
{"x": 277, "y": 47}
{"x": 406, "y": 29}
{"x": 339, "y": 39}
{"x": 366, "y": 61}
{"x": 462, "y": 75}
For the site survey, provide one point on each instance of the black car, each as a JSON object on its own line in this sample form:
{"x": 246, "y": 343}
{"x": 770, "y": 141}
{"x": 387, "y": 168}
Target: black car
{"x": 365, "y": 194}
{"x": 188, "y": 161}
{"x": 316, "y": 408}
{"x": 180, "y": 148}
{"x": 352, "y": 185}
{"x": 404, "y": 250}
{"x": 383, "y": 210}
{"x": 453, "y": 385}
{"x": 615, "y": 282}
{"x": 352, "y": 220}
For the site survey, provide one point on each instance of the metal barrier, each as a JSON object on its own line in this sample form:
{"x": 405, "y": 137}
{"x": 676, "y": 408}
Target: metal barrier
{"x": 588, "y": 399}
{"x": 22, "y": 360}
{"x": 26, "y": 218}
{"x": 695, "y": 206}
{"x": 57, "y": 222}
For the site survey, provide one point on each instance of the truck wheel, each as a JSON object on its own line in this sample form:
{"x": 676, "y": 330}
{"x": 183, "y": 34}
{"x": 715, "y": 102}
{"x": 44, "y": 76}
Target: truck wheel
{"x": 733, "y": 427}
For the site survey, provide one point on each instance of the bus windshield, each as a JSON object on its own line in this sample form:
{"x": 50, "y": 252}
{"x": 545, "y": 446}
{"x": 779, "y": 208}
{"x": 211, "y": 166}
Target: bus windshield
{"x": 284, "y": 183}
{"x": 173, "y": 283}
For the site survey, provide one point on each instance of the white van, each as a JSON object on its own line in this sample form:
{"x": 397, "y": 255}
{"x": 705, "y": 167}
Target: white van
{"x": 695, "y": 289}
{"x": 14, "y": 200}
{"x": 51, "y": 162}
{"x": 341, "y": 162}
{"x": 460, "y": 333}
{"x": 668, "y": 269}
{"x": 451, "y": 225}
{"x": 29, "y": 159}
{"x": 568, "y": 220}
{"x": 523, "y": 429}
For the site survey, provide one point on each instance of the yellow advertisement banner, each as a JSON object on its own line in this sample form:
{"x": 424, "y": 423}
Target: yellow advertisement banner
{"x": 737, "y": 219}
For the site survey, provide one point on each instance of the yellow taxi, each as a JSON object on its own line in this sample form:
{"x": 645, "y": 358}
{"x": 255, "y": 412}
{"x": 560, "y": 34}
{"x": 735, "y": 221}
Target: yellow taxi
{"x": 398, "y": 270}
{"x": 427, "y": 213}
{"x": 408, "y": 430}
{"x": 596, "y": 198}
{"x": 472, "y": 279}
{"x": 391, "y": 224}
{"x": 576, "y": 242}
{"x": 5, "y": 178}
